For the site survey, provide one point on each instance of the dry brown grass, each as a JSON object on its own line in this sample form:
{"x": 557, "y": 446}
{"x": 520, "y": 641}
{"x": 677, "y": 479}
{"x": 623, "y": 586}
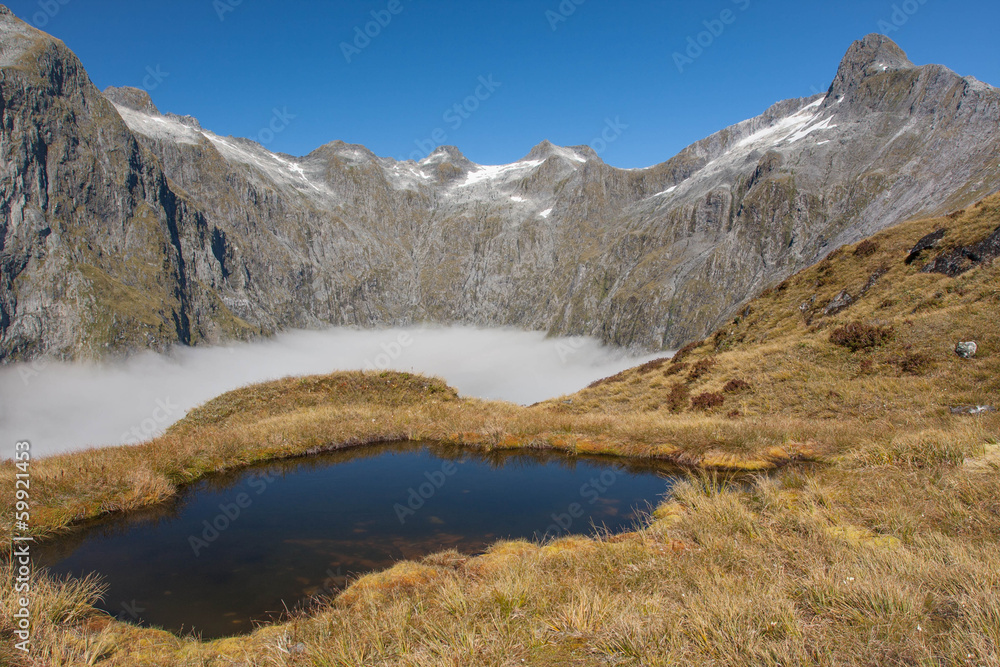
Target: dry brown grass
{"x": 885, "y": 553}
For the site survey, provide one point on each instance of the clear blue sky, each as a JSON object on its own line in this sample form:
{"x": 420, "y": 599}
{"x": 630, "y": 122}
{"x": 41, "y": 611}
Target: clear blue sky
{"x": 606, "y": 60}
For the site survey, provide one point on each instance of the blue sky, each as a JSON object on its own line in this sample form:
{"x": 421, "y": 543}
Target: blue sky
{"x": 555, "y": 69}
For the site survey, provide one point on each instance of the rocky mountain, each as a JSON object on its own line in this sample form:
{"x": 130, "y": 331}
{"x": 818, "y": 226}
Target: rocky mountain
{"x": 124, "y": 227}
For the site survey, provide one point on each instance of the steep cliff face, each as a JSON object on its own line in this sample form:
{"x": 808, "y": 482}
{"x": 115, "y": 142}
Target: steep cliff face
{"x": 93, "y": 241}
{"x": 762, "y": 199}
{"x": 124, "y": 227}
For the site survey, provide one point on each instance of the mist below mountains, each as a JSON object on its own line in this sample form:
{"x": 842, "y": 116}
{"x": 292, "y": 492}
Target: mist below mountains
{"x": 61, "y": 407}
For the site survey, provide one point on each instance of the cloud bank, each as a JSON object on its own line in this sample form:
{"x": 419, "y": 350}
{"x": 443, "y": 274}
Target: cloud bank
{"x": 62, "y": 407}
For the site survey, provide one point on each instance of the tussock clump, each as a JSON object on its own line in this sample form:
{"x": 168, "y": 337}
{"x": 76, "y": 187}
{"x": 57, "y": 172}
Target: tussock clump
{"x": 686, "y": 350}
{"x": 618, "y": 377}
{"x": 925, "y": 448}
{"x": 674, "y": 369}
{"x": 651, "y": 366}
{"x": 707, "y": 401}
{"x": 678, "y": 397}
{"x": 736, "y": 385}
{"x": 860, "y": 336}
{"x": 701, "y": 368}
{"x": 912, "y": 363}
{"x": 866, "y": 248}
{"x": 725, "y": 340}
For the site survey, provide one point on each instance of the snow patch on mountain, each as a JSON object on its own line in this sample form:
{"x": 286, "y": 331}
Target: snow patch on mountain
{"x": 159, "y": 127}
{"x": 493, "y": 173}
{"x": 806, "y": 131}
{"x": 773, "y": 135}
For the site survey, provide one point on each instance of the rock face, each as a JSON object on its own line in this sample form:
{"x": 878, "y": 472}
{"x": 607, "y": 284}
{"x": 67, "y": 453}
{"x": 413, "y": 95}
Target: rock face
{"x": 125, "y": 228}
{"x": 960, "y": 260}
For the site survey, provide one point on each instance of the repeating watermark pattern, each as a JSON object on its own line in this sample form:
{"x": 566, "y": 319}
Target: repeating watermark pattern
{"x": 164, "y": 413}
{"x": 900, "y": 16}
{"x": 153, "y": 78}
{"x": 47, "y": 10}
{"x": 280, "y": 120}
{"x": 334, "y": 582}
{"x": 30, "y": 371}
{"x": 568, "y": 347}
{"x": 610, "y": 133}
{"x": 223, "y": 7}
{"x": 21, "y": 547}
{"x": 418, "y": 496}
{"x": 455, "y": 116}
{"x": 229, "y": 513}
{"x": 591, "y": 491}
{"x": 364, "y": 34}
{"x": 131, "y": 611}
{"x": 714, "y": 28}
{"x": 390, "y": 352}
{"x": 561, "y": 14}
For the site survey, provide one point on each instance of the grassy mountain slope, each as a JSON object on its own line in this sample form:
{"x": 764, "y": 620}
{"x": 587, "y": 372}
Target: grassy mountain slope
{"x": 880, "y": 550}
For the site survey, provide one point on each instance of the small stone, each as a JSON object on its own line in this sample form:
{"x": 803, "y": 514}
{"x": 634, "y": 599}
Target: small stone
{"x": 966, "y": 350}
{"x": 972, "y": 409}
{"x": 841, "y": 301}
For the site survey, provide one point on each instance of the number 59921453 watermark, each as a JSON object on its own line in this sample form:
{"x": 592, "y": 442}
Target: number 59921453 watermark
{"x": 21, "y": 551}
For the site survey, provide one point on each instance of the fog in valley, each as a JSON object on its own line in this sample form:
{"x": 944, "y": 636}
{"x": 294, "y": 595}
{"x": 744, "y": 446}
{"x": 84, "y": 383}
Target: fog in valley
{"x": 62, "y": 407}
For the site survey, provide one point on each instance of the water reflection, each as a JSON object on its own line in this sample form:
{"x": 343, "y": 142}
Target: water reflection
{"x": 245, "y": 546}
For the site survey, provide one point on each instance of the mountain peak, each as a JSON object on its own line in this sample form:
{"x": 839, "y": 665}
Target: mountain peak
{"x": 132, "y": 98}
{"x": 16, "y": 38}
{"x": 868, "y": 56}
{"x": 544, "y": 149}
{"x": 547, "y": 149}
{"x": 449, "y": 154}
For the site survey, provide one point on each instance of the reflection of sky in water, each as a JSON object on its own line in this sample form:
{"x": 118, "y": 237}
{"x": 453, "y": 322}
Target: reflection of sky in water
{"x": 308, "y": 525}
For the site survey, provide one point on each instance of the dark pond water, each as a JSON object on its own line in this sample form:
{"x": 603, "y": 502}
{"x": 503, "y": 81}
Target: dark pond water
{"x": 241, "y": 548}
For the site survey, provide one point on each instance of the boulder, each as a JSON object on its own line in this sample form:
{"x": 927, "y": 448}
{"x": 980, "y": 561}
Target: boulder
{"x": 932, "y": 240}
{"x": 966, "y": 350}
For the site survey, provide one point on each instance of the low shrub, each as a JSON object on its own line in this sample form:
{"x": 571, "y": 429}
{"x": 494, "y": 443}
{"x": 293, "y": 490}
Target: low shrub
{"x": 736, "y": 385}
{"x": 866, "y": 248}
{"x": 674, "y": 369}
{"x": 860, "y": 336}
{"x": 651, "y": 366}
{"x": 618, "y": 377}
{"x": 686, "y": 350}
{"x": 707, "y": 401}
{"x": 678, "y": 397}
{"x": 912, "y": 363}
{"x": 701, "y": 368}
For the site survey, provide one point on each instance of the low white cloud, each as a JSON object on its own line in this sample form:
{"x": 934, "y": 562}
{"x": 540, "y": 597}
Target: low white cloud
{"x": 61, "y": 407}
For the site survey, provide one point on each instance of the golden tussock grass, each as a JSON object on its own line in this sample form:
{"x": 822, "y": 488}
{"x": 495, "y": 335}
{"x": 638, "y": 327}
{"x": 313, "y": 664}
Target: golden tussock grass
{"x": 879, "y": 549}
